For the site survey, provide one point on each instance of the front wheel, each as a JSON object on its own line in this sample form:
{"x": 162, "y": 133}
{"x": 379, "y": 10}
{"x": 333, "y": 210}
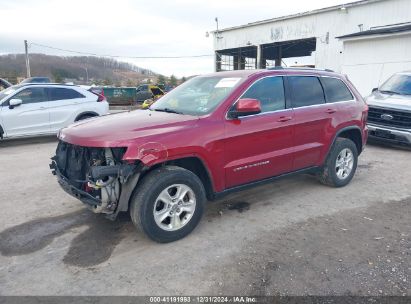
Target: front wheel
{"x": 341, "y": 163}
{"x": 168, "y": 203}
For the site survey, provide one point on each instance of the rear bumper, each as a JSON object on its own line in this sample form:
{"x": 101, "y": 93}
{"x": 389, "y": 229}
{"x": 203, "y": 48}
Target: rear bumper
{"x": 81, "y": 195}
{"x": 386, "y": 134}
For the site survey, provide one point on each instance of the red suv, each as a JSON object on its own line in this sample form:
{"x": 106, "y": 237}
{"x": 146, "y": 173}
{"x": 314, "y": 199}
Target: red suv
{"x": 210, "y": 136}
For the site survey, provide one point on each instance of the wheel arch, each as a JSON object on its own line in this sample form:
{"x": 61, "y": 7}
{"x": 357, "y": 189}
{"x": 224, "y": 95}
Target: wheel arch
{"x": 192, "y": 163}
{"x": 353, "y": 133}
{"x": 87, "y": 113}
{"x": 195, "y": 165}
{"x": 1, "y": 132}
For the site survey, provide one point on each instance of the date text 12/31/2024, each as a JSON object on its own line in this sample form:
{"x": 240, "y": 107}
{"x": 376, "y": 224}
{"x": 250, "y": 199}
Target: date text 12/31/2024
{"x": 203, "y": 299}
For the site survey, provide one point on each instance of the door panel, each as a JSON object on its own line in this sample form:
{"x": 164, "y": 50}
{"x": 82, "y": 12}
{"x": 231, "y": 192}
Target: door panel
{"x": 29, "y": 118}
{"x": 313, "y": 119}
{"x": 312, "y": 124}
{"x": 260, "y": 146}
{"x": 64, "y": 104}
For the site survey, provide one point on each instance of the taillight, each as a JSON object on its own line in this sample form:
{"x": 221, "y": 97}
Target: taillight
{"x": 99, "y": 92}
{"x": 364, "y": 116}
{"x": 100, "y": 97}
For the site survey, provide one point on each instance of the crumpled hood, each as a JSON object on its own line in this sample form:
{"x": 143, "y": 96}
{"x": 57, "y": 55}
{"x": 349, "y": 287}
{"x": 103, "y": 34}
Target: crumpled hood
{"x": 122, "y": 128}
{"x": 394, "y": 101}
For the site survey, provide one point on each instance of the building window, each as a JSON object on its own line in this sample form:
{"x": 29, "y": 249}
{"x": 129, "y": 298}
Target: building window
{"x": 226, "y": 62}
{"x": 250, "y": 63}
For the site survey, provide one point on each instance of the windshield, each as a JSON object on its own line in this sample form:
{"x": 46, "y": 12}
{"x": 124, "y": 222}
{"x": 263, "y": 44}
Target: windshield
{"x": 397, "y": 84}
{"x": 197, "y": 96}
{"x": 7, "y": 92}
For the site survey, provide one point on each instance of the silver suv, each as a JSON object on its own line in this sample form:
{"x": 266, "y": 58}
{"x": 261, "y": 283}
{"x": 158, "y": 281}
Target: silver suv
{"x": 389, "y": 116}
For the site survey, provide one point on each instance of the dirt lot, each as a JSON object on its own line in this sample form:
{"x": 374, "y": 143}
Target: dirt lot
{"x": 291, "y": 237}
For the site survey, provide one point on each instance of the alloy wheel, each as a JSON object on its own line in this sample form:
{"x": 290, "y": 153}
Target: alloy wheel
{"x": 174, "y": 207}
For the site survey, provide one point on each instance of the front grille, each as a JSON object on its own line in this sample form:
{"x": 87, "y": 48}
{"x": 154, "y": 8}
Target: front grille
{"x": 400, "y": 119}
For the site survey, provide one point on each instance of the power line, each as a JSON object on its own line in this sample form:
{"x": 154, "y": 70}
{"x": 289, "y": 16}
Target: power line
{"x": 117, "y": 56}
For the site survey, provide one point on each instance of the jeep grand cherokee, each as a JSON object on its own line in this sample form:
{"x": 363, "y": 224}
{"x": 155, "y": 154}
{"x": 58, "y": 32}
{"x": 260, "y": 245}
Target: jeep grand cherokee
{"x": 212, "y": 135}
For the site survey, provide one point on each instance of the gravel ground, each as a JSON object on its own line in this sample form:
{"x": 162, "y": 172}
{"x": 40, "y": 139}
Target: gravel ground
{"x": 291, "y": 237}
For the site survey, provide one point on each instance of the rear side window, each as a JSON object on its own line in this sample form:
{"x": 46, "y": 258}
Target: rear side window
{"x": 306, "y": 91}
{"x": 335, "y": 90}
{"x": 31, "y": 95}
{"x": 62, "y": 93}
{"x": 270, "y": 92}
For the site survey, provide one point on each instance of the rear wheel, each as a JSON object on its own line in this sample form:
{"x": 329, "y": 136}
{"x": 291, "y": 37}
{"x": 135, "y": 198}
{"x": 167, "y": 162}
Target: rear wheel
{"x": 341, "y": 163}
{"x": 168, "y": 204}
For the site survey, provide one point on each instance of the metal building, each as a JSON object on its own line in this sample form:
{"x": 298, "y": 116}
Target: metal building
{"x": 368, "y": 40}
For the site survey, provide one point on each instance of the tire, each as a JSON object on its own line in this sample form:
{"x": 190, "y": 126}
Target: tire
{"x": 147, "y": 208}
{"x": 339, "y": 175}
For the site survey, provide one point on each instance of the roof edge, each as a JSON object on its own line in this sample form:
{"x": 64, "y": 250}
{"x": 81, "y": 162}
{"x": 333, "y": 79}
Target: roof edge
{"x": 296, "y": 15}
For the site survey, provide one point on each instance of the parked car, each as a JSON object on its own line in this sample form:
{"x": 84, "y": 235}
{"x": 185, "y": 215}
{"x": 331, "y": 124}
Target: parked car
{"x": 389, "y": 117}
{"x": 165, "y": 87}
{"x": 211, "y": 136}
{"x": 4, "y": 84}
{"x": 36, "y": 80}
{"x": 147, "y": 91}
{"x": 41, "y": 109}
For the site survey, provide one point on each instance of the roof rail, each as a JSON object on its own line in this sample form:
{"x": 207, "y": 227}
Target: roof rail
{"x": 45, "y": 83}
{"x": 299, "y": 68}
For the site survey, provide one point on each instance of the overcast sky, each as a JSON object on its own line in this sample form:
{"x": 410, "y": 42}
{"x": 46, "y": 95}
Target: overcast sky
{"x": 135, "y": 28}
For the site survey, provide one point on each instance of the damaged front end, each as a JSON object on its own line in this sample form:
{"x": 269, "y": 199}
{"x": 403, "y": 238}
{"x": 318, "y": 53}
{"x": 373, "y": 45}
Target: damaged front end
{"x": 96, "y": 176}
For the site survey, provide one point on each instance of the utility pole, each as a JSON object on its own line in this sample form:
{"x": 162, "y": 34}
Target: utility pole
{"x": 85, "y": 68}
{"x": 27, "y": 59}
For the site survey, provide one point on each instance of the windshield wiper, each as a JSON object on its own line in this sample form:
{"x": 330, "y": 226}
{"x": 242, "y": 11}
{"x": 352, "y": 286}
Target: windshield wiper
{"x": 390, "y": 92}
{"x": 168, "y": 110}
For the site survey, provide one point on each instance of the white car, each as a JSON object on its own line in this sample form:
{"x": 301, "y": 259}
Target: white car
{"x": 42, "y": 109}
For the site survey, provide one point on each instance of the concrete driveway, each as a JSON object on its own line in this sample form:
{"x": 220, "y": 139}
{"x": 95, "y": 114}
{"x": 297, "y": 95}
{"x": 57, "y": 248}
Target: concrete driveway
{"x": 293, "y": 237}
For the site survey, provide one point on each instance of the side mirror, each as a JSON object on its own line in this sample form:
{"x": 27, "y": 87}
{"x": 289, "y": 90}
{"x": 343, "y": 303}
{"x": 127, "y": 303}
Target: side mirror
{"x": 246, "y": 106}
{"x": 374, "y": 89}
{"x": 14, "y": 102}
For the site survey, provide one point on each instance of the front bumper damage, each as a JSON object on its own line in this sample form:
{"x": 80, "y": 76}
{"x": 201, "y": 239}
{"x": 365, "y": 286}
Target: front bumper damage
{"x": 96, "y": 176}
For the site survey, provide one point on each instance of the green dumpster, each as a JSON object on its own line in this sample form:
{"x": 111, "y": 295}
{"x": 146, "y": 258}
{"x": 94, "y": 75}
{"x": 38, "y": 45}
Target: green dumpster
{"x": 120, "y": 96}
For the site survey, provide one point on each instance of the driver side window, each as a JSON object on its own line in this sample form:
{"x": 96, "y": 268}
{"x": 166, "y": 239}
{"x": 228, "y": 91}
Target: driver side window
{"x": 270, "y": 92}
{"x": 31, "y": 95}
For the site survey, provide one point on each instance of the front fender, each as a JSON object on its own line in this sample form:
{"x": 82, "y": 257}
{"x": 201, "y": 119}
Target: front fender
{"x": 149, "y": 154}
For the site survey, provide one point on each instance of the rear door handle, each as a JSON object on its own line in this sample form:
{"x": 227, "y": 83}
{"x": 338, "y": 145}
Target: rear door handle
{"x": 330, "y": 111}
{"x": 284, "y": 118}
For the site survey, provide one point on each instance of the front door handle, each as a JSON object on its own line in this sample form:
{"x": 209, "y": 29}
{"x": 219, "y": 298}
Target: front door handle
{"x": 330, "y": 111}
{"x": 284, "y": 118}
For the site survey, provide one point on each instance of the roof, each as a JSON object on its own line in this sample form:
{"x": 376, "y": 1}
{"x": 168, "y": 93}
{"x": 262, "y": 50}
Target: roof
{"x": 313, "y": 12}
{"x": 20, "y": 85}
{"x": 379, "y": 31}
{"x": 233, "y": 73}
{"x": 45, "y": 84}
